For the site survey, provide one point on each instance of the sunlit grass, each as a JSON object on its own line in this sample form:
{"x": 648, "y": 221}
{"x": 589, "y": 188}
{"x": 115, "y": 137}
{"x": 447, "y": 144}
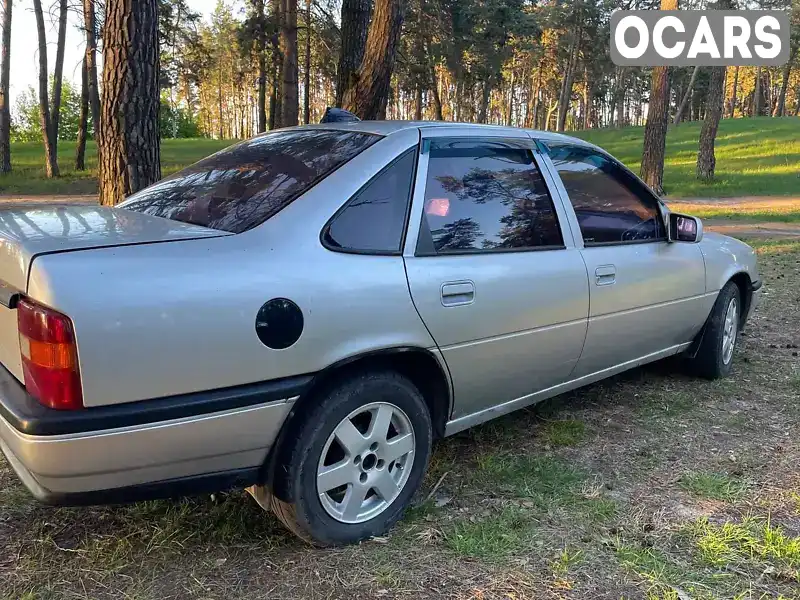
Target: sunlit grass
{"x": 758, "y": 157}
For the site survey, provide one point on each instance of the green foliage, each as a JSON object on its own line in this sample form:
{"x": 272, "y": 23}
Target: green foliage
{"x": 26, "y": 121}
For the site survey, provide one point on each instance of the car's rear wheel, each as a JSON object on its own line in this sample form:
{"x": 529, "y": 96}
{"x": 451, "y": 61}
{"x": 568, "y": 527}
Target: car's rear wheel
{"x": 355, "y": 461}
{"x": 714, "y": 358}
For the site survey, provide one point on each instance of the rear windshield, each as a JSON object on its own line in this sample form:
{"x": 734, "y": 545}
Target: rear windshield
{"x": 244, "y": 185}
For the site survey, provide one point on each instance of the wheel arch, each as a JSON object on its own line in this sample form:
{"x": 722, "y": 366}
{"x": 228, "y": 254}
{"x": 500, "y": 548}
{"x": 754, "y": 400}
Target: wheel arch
{"x": 421, "y": 366}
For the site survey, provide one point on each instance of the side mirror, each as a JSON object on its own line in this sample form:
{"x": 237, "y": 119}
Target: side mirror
{"x": 683, "y": 228}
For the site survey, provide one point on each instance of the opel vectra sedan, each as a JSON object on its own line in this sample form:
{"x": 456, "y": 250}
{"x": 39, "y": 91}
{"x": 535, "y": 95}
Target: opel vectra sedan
{"x": 303, "y": 313}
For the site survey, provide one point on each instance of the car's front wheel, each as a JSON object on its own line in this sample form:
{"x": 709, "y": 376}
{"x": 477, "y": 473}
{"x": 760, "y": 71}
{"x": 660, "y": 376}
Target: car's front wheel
{"x": 355, "y": 461}
{"x": 714, "y": 358}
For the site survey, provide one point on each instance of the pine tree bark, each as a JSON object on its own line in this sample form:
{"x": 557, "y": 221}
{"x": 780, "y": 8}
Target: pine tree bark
{"x": 90, "y": 25}
{"x": 565, "y": 98}
{"x": 706, "y": 160}
{"x": 83, "y": 121}
{"x": 418, "y": 103}
{"x": 5, "y": 83}
{"x": 368, "y": 97}
{"x": 483, "y": 112}
{"x": 58, "y": 73}
{"x": 262, "y": 67}
{"x": 686, "y": 96}
{"x": 129, "y": 140}
{"x": 275, "y": 112}
{"x": 758, "y": 95}
{"x": 734, "y": 91}
{"x": 780, "y": 105}
{"x": 437, "y": 99}
{"x": 50, "y": 156}
{"x": 289, "y": 100}
{"x": 355, "y": 27}
{"x": 307, "y": 73}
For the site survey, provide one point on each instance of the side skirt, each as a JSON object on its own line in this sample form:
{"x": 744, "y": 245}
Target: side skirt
{"x": 487, "y": 414}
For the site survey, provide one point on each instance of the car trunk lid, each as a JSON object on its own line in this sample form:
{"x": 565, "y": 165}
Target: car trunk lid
{"x": 28, "y": 231}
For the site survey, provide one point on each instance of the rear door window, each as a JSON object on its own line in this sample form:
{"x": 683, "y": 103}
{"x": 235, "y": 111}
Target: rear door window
{"x": 484, "y": 196}
{"x": 244, "y": 185}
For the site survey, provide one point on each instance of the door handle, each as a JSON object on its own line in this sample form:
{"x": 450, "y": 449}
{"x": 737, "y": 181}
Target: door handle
{"x": 605, "y": 275}
{"x": 458, "y": 293}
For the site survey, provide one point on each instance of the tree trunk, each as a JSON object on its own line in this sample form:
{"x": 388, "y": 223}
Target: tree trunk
{"x": 289, "y": 99}
{"x": 655, "y": 130}
{"x": 5, "y": 83}
{"x": 715, "y": 101}
{"x": 90, "y": 24}
{"x": 355, "y": 26}
{"x": 758, "y": 95}
{"x": 129, "y": 142}
{"x": 275, "y": 112}
{"x": 565, "y": 97}
{"x": 58, "y": 73}
{"x": 484, "y": 106}
{"x": 307, "y": 73}
{"x": 780, "y": 105}
{"x": 588, "y": 95}
{"x": 51, "y": 158}
{"x": 437, "y": 99}
{"x": 367, "y": 98}
{"x": 83, "y": 120}
{"x": 418, "y": 103}
{"x": 686, "y": 96}
{"x": 262, "y": 67}
{"x": 705, "y": 157}
{"x": 734, "y": 90}
{"x": 510, "y": 109}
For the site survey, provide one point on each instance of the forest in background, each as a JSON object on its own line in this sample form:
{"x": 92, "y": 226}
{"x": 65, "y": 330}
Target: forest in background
{"x": 256, "y": 65}
{"x": 543, "y": 65}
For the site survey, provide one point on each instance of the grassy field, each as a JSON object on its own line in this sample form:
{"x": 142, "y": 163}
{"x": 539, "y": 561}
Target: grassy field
{"x": 653, "y": 485}
{"x": 754, "y": 157}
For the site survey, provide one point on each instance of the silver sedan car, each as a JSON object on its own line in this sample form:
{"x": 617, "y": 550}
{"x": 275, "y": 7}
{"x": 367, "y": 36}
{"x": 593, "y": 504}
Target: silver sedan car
{"x": 303, "y": 313}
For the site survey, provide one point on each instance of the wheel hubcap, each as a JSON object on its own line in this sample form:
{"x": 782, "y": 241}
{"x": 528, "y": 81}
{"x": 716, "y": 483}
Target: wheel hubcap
{"x": 366, "y": 462}
{"x": 730, "y": 330}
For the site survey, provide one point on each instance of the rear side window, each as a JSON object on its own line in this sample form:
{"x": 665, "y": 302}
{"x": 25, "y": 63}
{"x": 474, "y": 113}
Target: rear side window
{"x": 485, "y": 196}
{"x": 244, "y": 185}
{"x": 611, "y": 206}
{"x": 373, "y": 221}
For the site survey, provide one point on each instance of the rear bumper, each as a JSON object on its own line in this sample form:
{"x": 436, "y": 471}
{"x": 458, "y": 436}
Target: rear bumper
{"x": 166, "y": 447}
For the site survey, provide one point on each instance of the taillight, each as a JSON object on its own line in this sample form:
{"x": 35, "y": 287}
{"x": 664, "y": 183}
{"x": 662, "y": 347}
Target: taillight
{"x": 49, "y": 356}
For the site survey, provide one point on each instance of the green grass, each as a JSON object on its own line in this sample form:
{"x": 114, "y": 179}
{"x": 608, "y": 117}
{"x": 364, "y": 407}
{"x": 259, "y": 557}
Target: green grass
{"x": 27, "y": 176}
{"x": 758, "y": 157}
{"x": 567, "y": 432}
{"x": 754, "y": 157}
{"x": 494, "y": 537}
{"x": 714, "y": 486}
{"x": 751, "y": 541}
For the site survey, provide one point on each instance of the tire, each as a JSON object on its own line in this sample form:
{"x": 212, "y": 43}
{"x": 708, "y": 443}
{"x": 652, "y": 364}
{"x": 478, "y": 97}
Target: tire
{"x": 714, "y": 358}
{"x": 333, "y": 517}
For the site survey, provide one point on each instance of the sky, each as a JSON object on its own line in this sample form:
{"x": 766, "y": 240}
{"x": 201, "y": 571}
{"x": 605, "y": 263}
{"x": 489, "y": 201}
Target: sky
{"x": 24, "y": 44}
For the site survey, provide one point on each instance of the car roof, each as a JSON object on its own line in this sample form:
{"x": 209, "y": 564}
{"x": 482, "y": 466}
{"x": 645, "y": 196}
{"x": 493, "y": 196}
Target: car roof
{"x": 390, "y": 127}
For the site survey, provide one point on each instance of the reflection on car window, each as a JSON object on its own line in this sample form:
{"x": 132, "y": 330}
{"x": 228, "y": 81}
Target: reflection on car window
{"x": 604, "y": 197}
{"x": 374, "y": 219}
{"x": 244, "y": 185}
{"x": 487, "y": 196}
